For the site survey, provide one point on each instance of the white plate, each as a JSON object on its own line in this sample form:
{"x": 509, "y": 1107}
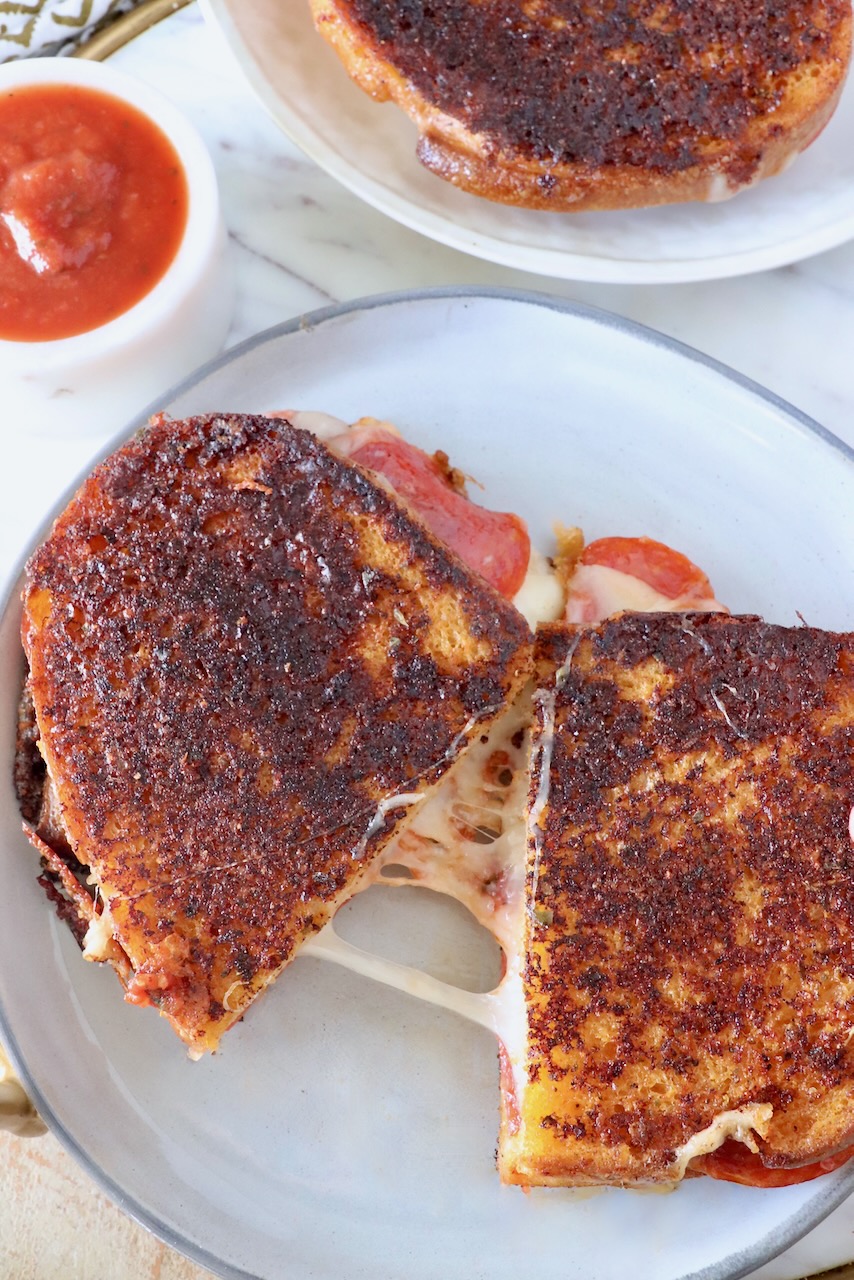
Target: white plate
{"x": 371, "y": 149}
{"x": 345, "y": 1130}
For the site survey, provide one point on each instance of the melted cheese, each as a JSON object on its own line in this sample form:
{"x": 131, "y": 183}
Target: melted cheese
{"x": 740, "y": 1124}
{"x": 541, "y": 597}
{"x": 597, "y": 592}
{"x": 327, "y": 945}
{"x": 99, "y": 935}
{"x": 467, "y": 839}
{"x": 401, "y": 801}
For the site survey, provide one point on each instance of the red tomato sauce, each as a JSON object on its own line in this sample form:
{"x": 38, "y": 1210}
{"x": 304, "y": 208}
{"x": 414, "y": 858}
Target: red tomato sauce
{"x": 93, "y": 206}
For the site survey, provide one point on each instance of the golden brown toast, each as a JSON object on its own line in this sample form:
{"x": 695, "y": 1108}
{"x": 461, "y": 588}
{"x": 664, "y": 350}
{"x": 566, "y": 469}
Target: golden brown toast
{"x": 248, "y": 663}
{"x": 688, "y": 969}
{"x": 567, "y": 106}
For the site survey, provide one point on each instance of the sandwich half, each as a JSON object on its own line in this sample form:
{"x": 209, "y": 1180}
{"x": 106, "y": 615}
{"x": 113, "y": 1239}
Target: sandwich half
{"x": 564, "y": 106}
{"x": 249, "y": 662}
{"x": 684, "y": 1001}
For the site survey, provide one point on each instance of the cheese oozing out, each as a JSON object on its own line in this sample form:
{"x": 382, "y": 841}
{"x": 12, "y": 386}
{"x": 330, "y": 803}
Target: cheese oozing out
{"x": 541, "y": 597}
{"x": 467, "y": 838}
{"x": 742, "y": 1124}
{"x": 596, "y": 591}
{"x": 99, "y": 934}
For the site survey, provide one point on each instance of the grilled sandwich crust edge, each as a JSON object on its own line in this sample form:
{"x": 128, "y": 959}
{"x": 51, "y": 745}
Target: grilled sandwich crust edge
{"x": 242, "y": 650}
{"x": 484, "y": 163}
{"x": 689, "y": 970}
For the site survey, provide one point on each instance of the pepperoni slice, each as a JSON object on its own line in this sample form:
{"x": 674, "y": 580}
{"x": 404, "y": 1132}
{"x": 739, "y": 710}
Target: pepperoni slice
{"x": 665, "y": 570}
{"x": 495, "y": 544}
{"x": 734, "y": 1162}
{"x": 639, "y": 574}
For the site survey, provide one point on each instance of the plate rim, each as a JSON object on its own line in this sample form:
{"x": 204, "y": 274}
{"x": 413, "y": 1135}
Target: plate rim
{"x": 556, "y": 263}
{"x": 734, "y": 1266}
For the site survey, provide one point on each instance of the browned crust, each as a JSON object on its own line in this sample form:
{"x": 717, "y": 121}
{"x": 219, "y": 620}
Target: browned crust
{"x": 514, "y": 106}
{"x": 239, "y": 646}
{"x": 81, "y": 905}
{"x": 74, "y": 905}
{"x": 690, "y": 944}
{"x": 29, "y": 772}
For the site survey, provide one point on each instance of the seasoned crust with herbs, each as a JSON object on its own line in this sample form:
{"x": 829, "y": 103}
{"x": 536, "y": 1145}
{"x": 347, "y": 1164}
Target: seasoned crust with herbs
{"x": 241, "y": 649}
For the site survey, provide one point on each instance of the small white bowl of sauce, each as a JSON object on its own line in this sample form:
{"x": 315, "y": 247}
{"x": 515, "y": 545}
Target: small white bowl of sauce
{"x": 113, "y": 277}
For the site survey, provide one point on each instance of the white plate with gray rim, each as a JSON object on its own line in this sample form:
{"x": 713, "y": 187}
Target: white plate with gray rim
{"x": 345, "y": 1130}
{"x": 370, "y": 148}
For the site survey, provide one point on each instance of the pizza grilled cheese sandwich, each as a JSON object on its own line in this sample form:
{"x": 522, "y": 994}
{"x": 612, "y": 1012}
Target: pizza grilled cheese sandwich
{"x": 260, "y": 681}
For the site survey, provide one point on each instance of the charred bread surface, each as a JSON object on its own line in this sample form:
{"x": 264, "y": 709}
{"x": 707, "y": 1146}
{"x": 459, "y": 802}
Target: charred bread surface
{"x": 689, "y": 948}
{"x": 242, "y": 651}
{"x": 567, "y": 106}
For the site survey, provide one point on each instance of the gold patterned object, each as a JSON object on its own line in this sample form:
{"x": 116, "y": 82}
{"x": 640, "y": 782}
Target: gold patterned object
{"x": 111, "y": 36}
{"x": 30, "y": 27}
{"x": 37, "y": 26}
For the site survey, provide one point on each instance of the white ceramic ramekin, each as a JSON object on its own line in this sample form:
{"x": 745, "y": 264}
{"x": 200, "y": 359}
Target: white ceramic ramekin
{"x": 93, "y": 382}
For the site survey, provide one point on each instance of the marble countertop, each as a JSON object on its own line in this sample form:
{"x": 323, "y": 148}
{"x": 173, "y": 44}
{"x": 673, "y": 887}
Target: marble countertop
{"x": 300, "y": 241}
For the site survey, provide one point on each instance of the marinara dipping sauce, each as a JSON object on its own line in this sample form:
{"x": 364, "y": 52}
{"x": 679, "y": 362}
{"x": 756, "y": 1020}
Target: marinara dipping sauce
{"x": 93, "y": 207}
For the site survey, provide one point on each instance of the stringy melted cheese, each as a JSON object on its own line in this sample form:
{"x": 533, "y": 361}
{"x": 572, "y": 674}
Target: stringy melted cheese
{"x": 467, "y": 839}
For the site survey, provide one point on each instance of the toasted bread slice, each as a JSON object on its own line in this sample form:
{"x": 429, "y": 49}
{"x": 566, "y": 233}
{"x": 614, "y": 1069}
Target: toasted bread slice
{"x": 248, "y": 663}
{"x": 688, "y": 969}
{"x": 566, "y": 106}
